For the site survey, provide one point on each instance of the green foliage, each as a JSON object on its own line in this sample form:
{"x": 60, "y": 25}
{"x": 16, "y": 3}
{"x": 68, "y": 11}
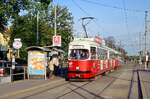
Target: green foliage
{"x": 111, "y": 42}
{"x": 25, "y": 27}
{"x": 9, "y": 9}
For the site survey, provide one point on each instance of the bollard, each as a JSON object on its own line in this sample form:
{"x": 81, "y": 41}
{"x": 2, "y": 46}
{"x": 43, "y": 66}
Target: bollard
{"x": 11, "y": 76}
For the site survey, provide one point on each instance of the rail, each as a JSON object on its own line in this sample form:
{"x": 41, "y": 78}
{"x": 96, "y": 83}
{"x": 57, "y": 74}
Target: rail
{"x": 17, "y": 71}
{"x": 140, "y": 93}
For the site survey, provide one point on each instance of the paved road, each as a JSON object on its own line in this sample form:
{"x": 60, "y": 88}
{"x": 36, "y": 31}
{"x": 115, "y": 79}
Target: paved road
{"x": 144, "y": 76}
{"x": 118, "y": 84}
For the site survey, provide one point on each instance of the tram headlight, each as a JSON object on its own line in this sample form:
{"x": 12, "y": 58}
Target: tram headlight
{"x": 70, "y": 64}
{"x": 77, "y": 68}
{"x": 1, "y": 69}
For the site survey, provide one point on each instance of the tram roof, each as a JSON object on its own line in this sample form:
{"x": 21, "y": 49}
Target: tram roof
{"x": 112, "y": 50}
{"x": 90, "y": 41}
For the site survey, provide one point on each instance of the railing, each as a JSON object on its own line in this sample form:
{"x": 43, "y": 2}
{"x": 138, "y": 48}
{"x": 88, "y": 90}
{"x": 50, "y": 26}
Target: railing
{"x": 17, "y": 71}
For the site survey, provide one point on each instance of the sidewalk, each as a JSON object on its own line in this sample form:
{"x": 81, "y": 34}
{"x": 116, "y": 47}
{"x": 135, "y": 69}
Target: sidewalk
{"x": 10, "y": 89}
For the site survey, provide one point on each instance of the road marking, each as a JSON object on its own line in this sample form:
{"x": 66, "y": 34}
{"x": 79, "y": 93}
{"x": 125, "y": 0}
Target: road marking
{"x": 28, "y": 89}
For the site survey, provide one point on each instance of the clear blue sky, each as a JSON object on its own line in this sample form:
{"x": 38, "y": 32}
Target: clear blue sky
{"x": 122, "y": 19}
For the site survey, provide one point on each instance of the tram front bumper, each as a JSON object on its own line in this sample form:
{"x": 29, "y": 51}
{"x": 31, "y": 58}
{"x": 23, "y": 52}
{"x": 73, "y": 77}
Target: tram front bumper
{"x": 80, "y": 74}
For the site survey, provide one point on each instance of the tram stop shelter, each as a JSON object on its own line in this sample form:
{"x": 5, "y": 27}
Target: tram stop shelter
{"x": 58, "y": 51}
{"x": 37, "y": 62}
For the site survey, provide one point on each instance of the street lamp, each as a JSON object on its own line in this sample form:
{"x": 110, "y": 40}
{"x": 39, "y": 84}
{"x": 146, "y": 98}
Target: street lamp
{"x": 37, "y": 28}
{"x": 55, "y": 17}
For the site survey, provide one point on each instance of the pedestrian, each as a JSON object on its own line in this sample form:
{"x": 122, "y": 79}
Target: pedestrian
{"x": 55, "y": 63}
{"x": 51, "y": 69}
{"x": 147, "y": 61}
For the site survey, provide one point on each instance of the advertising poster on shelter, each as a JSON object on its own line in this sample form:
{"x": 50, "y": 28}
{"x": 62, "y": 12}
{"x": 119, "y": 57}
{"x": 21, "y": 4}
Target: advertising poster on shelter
{"x": 37, "y": 63}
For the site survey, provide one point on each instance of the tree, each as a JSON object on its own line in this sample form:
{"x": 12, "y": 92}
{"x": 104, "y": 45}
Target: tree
{"x": 25, "y": 26}
{"x": 9, "y": 10}
{"x": 110, "y": 42}
{"x": 64, "y": 25}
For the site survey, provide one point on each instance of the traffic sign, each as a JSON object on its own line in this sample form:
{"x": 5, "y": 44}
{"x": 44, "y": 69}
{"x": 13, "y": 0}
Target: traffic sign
{"x": 57, "y": 40}
{"x": 17, "y": 44}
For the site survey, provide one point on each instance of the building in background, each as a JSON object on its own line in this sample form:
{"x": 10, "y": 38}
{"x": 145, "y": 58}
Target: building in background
{"x": 4, "y": 46}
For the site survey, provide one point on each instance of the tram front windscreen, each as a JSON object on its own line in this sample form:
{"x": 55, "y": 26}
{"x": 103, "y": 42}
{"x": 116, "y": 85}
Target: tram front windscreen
{"x": 81, "y": 54}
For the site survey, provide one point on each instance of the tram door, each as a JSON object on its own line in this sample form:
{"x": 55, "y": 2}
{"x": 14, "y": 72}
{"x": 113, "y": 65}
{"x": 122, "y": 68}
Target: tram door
{"x": 94, "y": 60}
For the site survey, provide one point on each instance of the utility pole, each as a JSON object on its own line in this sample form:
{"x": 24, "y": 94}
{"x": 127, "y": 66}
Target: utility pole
{"x": 145, "y": 34}
{"x": 37, "y": 24}
{"x": 140, "y": 49}
{"x": 55, "y": 18}
{"x": 37, "y": 28}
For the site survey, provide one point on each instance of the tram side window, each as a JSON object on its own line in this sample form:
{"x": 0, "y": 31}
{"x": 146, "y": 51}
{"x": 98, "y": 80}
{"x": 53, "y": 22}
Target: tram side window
{"x": 112, "y": 55}
{"x": 99, "y": 53}
{"x": 102, "y": 54}
{"x": 93, "y": 52}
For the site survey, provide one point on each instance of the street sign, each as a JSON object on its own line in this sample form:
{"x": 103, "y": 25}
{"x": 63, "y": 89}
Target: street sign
{"x": 17, "y": 44}
{"x": 57, "y": 40}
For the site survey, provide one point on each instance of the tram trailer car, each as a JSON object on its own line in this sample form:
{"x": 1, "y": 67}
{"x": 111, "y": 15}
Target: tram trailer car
{"x": 88, "y": 58}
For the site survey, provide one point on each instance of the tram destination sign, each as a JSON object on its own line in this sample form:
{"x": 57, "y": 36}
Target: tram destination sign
{"x": 78, "y": 46}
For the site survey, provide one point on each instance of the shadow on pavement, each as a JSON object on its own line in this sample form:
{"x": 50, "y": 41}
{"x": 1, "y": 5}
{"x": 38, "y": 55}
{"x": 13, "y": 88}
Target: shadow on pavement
{"x": 61, "y": 72}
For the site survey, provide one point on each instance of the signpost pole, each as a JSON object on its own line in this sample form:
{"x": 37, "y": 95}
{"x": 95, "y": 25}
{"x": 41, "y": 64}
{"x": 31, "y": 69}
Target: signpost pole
{"x": 55, "y": 23}
{"x": 17, "y": 44}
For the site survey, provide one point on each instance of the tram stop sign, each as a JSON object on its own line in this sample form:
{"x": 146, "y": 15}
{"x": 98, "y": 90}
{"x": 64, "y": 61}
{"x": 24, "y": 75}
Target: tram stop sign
{"x": 17, "y": 44}
{"x": 57, "y": 40}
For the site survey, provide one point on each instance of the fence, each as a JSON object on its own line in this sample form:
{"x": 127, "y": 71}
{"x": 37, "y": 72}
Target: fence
{"x": 12, "y": 74}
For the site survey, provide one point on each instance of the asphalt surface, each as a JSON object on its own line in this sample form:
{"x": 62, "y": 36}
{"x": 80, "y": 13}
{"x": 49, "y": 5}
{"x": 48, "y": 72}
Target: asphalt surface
{"x": 118, "y": 84}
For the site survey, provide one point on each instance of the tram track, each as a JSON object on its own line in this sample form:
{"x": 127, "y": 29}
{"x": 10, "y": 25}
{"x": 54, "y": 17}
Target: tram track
{"x": 142, "y": 86}
{"x": 131, "y": 85}
{"x": 53, "y": 88}
{"x": 131, "y": 82}
{"x": 140, "y": 93}
{"x": 87, "y": 91}
{"x": 116, "y": 78}
{"x": 120, "y": 78}
{"x": 39, "y": 90}
{"x": 44, "y": 90}
{"x": 92, "y": 93}
{"x": 73, "y": 90}
{"x": 107, "y": 86}
{"x": 76, "y": 88}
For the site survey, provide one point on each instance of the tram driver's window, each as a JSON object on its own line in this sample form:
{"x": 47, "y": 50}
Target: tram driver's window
{"x": 93, "y": 52}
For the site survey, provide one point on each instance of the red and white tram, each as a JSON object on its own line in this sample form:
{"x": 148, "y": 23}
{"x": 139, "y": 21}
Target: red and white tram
{"x": 88, "y": 57}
